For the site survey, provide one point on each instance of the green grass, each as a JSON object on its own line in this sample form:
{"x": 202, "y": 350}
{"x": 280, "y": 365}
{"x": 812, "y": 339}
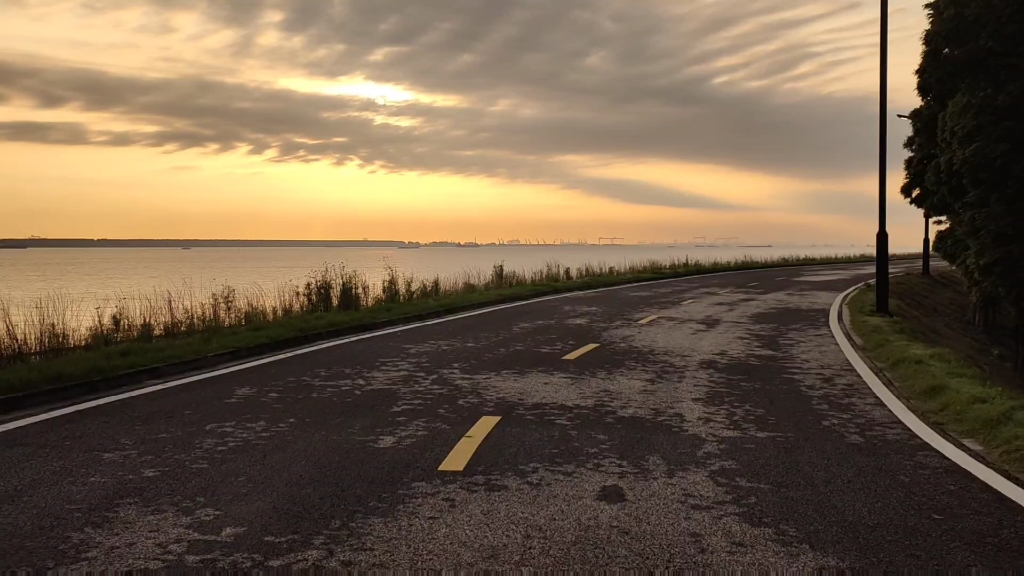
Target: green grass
{"x": 941, "y": 387}
{"x": 141, "y": 331}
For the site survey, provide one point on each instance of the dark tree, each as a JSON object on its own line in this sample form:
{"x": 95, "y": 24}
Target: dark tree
{"x": 966, "y": 160}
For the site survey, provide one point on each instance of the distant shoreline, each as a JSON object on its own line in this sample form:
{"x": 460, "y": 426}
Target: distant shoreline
{"x": 22, "y": 243}
{"x": 185, "y": 243}
{"x": 189, "y": 244}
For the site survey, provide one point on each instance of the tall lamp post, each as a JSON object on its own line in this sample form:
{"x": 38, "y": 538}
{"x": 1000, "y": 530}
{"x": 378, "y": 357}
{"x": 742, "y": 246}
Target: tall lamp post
{"x": 926, "y": 265}
{"x": 926, "y": 255}
{"x": 882, "y": 239}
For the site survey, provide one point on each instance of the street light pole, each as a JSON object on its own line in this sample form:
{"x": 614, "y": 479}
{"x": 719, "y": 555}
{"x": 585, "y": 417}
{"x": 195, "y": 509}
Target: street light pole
{"x": 882, "y": 239}
{"x": 926, "y": 267}
{"x": 926, "y": 257}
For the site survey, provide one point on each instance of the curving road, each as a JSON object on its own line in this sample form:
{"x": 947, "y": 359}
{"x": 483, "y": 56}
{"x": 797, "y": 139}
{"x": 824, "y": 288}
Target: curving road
{"x": 727, "y": 430}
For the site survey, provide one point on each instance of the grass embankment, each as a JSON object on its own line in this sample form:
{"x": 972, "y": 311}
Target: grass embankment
{"x": 951, "y": 375}
{"x": 46, "y": 344}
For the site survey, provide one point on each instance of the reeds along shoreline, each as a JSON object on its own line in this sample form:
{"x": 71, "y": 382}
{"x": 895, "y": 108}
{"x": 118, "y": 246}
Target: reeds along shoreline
{"x": 52, "y": 324}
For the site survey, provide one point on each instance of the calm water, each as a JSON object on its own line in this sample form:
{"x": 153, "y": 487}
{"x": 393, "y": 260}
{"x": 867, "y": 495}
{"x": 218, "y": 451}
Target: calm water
{"x": 97, "y": 273}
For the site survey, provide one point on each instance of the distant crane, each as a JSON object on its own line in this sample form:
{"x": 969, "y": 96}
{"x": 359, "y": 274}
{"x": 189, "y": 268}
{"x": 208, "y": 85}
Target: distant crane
{"x": 611, "y": 240}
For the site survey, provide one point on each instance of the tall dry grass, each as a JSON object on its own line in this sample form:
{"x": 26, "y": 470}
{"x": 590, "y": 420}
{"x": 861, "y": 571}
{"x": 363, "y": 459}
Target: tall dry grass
{"x": 53, "y": 324}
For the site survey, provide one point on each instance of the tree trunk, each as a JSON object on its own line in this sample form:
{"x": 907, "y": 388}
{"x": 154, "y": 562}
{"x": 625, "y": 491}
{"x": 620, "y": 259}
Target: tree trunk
{"x": 1018, "y": 356}
{"x": 1018, "y": 360}
{"x": 982, "y": 316}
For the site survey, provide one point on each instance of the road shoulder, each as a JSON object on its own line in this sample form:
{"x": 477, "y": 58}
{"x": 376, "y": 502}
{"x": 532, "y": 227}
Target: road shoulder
{"x": 936, "y": 393}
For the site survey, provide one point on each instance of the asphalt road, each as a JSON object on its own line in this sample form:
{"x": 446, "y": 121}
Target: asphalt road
{"x": 730, "y": 431}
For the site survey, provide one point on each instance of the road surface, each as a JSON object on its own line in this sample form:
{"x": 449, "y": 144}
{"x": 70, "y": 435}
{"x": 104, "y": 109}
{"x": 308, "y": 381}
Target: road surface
{"x": 716, "y": 423}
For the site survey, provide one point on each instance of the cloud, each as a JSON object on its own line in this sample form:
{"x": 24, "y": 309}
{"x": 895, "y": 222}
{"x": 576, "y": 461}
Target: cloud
{"x": 296, "y": 127}
{"x": 721, "y": 82}
{"x": 642, "y": 193}
{"x": 65, "y": 133}
{"x": 834, "y": 203}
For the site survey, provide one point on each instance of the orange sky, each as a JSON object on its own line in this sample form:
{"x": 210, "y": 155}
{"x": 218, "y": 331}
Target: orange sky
{"x": 147, "y": 122}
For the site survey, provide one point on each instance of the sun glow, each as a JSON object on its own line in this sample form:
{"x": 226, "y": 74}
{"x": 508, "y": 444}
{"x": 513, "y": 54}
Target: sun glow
{"x": 384, "y": 94}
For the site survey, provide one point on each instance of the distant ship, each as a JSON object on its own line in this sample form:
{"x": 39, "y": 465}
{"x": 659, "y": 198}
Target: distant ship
{"x": 410, "y": 247}
{"x": 13, "y": 246}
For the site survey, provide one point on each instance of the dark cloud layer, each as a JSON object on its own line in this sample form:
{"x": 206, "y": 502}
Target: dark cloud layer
{"x": 540, "y": 80}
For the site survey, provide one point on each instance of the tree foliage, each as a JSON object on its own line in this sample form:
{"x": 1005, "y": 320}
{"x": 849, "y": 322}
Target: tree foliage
{"x": 966, "y": 160}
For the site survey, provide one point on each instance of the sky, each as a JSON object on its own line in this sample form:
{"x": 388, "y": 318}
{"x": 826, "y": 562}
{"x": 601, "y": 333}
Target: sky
{"x": 652, "y": 120}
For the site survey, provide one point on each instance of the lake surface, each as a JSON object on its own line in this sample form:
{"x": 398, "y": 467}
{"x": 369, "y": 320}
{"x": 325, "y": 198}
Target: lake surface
{"x": 98, "y": 273}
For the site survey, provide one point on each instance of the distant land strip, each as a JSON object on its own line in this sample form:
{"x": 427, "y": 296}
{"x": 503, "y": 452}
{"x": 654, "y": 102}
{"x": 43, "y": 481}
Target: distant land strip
{"x": 192, "y": 243}
{"x": 143, "y": 243}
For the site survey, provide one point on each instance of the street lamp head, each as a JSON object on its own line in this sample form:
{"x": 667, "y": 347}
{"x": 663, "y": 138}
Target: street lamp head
{"x": 903, "y": 116}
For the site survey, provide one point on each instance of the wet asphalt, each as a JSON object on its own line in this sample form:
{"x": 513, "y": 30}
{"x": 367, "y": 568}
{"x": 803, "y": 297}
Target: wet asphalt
{"x": 729, "y": 432}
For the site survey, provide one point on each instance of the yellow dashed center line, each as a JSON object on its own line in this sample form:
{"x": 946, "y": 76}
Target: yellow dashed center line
{"x": 463, "y": 451}
{"x": 648, "y": 320}
{"x": 580, "y": 352}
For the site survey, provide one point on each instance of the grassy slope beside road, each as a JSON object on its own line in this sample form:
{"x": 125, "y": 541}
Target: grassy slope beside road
{"x": 955, "y": 379}
{"x": 141, "y": 349}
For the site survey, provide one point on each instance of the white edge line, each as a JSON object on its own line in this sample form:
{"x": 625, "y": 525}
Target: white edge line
{"x": 331, "y": 343}
{"x": 947, "y": 448}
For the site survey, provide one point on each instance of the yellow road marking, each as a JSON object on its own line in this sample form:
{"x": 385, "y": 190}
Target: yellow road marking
{"x": 463, "y": 451}
{"x": 754, "y": 284}
{"x": 580, "y": 352}
{"x": 648, "y": 320}
{"x": 688, "y": 302}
